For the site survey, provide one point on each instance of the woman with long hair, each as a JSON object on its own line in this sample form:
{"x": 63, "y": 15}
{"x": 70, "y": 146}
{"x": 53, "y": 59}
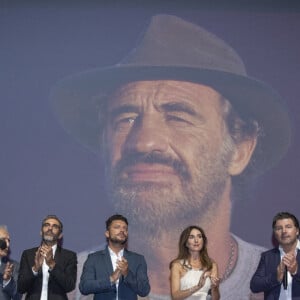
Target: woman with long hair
{"x": 194, "y": 275}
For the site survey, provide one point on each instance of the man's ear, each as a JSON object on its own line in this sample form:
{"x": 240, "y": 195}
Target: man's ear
{"x": 60, "y": 236}
{"x": 241, "y": 156}
{"x": 107, "y": 234}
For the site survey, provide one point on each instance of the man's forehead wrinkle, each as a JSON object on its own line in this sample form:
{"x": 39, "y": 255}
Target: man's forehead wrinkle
{"x": 162, "y": 95}
{"x": 128, "y": 96}
{"x": 180, "y": 106}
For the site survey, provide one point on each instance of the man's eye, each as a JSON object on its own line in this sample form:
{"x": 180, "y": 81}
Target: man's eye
{"x": 123, "y": 122}
{"x": 128, "y": 120}
{"x": 177, "y": 119}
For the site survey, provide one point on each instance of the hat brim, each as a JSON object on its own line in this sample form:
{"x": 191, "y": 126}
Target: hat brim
{"x": 77, "y": 101}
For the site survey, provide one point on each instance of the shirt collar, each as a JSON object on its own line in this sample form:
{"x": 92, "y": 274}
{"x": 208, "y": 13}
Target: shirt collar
{"x": 112, "y": 253}
{"x": 297, "y": 248}
{"x": 54, "y": 247}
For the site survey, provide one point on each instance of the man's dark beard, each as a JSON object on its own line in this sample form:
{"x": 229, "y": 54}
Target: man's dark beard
{"x": 116, "y": 241}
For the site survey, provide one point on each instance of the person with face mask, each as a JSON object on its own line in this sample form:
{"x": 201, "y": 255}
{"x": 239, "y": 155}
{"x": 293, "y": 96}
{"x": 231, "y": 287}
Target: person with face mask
{"x": 8, "y": 268}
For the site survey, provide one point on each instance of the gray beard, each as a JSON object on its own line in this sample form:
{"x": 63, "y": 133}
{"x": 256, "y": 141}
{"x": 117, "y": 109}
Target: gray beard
{"x": 151, "y": 207}
{"x": 49, "y": 238}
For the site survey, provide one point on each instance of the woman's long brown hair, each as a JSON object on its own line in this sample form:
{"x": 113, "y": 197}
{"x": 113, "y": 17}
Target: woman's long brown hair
{"x": 184, "y": 253}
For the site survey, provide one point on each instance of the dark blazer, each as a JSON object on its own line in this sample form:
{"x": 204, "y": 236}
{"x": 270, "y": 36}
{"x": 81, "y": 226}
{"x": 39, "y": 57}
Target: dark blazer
{"x": 265, "y": 277}
{"x": 62, "y": 277}
{"x": 10, "y": 290}
{"x": 98, "y": 268}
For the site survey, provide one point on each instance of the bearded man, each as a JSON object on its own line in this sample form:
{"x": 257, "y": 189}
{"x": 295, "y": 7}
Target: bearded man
{"x": 48, "y": 271}
{"x": 115, "y": 273}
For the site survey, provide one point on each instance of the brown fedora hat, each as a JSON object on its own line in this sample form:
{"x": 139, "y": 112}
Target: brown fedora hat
{"x": 175, "y": 49}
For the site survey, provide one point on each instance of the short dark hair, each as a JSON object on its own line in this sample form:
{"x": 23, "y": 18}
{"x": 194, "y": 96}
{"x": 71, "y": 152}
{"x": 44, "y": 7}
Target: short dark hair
{"x": 285, "y": 215}
{"x": 53, "y": 217}
{"x": 114, "y": 218}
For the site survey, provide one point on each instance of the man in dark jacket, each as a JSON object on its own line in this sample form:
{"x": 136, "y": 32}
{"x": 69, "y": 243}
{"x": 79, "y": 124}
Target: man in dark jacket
{"x": 278, "y": 273}
{"x": 115, "y": 273}
{"x": 48, "y": 271}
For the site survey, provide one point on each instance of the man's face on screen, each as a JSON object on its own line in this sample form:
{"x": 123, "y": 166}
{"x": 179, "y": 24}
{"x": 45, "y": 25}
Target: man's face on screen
{"x": 167, "y": 149}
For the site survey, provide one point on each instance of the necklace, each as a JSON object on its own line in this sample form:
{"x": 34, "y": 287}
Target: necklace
{"x": 188, "y": 265}
{"x": 231, "y": 261}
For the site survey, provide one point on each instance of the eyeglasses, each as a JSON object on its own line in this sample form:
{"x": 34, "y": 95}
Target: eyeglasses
{"x": 55, "y": 226}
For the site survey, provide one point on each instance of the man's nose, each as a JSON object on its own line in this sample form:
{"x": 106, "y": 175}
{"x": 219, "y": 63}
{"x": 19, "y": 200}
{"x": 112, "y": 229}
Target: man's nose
{"x": 148, "y": 135}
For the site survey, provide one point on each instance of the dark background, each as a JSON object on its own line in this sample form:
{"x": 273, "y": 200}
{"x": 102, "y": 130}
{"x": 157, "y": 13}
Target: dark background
{"x": 43, "y": 170}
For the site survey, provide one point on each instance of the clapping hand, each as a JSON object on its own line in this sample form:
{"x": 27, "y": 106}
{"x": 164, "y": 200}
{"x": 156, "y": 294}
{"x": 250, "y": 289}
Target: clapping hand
{"x": 215, "y": 281}
{"x": 8, "y": 271}
{"x": 122, "y": 265}
{"x": 289, "y": 260}
{"x": 121, "y": 269}
{"x": 47, "y": 252}
{"x": 38, "y": 260}
{"x": 203, "y": 277}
